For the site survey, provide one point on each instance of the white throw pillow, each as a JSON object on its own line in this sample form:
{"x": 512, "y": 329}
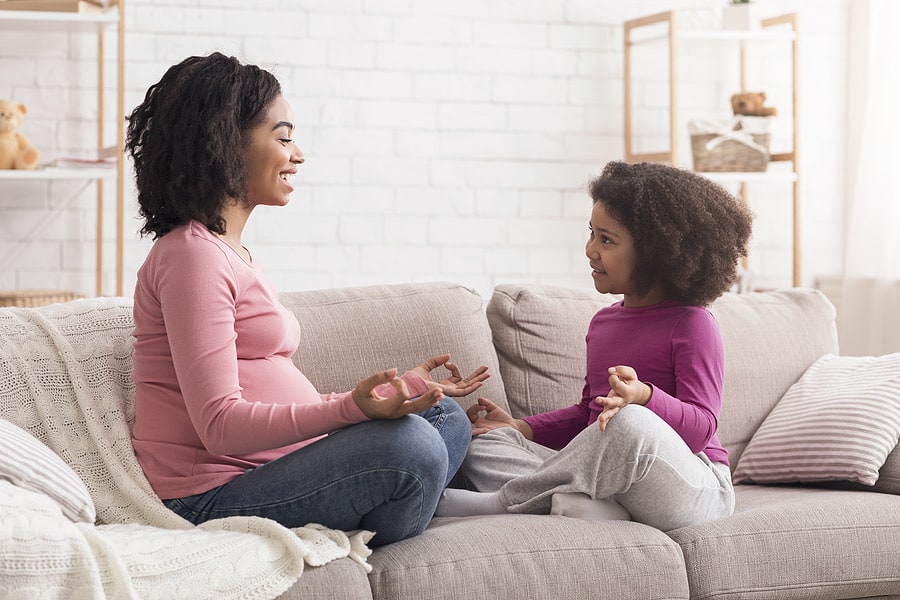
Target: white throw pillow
{"x": 839, "y": 422}
{"x": 29, "y": 464}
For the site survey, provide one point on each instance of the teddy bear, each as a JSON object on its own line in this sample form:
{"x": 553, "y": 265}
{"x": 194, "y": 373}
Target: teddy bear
{"x": 16, "y": 152}
{"x": 752, "y": 104}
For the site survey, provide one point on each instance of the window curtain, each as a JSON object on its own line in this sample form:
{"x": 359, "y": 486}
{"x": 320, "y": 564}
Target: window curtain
{"x": 869, "y": 307}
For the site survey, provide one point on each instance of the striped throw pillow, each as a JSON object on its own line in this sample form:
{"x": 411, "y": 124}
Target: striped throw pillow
{"x": 27, "y": 463}
{"x": 838, "y": 422}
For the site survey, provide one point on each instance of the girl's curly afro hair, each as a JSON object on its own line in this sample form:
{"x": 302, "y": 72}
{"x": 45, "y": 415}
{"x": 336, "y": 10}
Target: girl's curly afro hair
{"x": 688, "y": 231}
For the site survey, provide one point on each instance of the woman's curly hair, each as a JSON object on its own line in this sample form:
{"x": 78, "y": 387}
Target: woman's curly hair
{"x": 188, "y": 137}
{"x": 688, "y": 231}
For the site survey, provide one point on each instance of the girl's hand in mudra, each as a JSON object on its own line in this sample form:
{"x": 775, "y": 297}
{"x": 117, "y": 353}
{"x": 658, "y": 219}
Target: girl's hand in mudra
{"x": 375, "y": 406}
{"x": 455, "y": 385}
{"x": 625, "y": 388}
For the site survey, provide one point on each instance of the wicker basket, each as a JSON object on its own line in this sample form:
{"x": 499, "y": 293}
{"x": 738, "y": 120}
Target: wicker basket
{"x": 739, "y": 146}
{"x": 30, "y": 298}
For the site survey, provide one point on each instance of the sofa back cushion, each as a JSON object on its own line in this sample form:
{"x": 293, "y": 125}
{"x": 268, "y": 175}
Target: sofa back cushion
{"x": 770, "y": 339}
{"x": 539, "y": 333}
{"x": 349, "y": 334}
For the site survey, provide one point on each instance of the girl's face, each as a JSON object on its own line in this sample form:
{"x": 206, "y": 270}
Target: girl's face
{"x": 611, "y": 254}
{"x": 272, "y": 157}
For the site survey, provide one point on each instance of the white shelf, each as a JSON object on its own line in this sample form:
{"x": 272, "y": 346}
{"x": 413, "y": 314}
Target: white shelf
{"x": 749, "y": 177}
{"x": 721, "y": 35}
{"x": 785, "y": 35}
{"x": 50, "y": 173}
{"x": 34, "y": 20}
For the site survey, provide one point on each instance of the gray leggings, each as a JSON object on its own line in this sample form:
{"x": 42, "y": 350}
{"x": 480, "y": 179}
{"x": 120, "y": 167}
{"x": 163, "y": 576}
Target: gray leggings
{"x": 639, "y": 461}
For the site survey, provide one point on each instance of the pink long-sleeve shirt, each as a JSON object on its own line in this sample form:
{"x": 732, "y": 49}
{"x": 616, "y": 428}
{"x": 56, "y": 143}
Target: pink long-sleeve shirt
{"x": 216, "y": 390}
{"x": 676, "y": 349}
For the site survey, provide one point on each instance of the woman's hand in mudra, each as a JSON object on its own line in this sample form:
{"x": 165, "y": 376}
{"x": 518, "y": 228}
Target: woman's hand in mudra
{"x": 375, "y": 406}
{"x": 455, "y": 385}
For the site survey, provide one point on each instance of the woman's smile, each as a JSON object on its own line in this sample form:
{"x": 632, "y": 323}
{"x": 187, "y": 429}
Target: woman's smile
{"x": 287, "y": 176}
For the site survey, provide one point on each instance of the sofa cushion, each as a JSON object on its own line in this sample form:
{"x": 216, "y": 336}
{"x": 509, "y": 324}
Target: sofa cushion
{"x": 888, "y": 481}
{"x": 796, "y": 543}
{"x": 510, "y": 557}
{"x": 770, "y": 338}
{"x": 27, "y": 463}
{"x": 539, "y": 334}
{"x": 838, "y": 422}
{"x": 341, "y": 579}
{"x": 392, "y": 326}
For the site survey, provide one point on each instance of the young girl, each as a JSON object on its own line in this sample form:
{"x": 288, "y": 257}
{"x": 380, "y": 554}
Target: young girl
{"x": 224, "y": 424}
{"x": 642, "y": 442}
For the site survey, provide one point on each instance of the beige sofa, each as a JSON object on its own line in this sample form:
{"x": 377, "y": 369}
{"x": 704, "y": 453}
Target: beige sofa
{"x": 784, "y": 541}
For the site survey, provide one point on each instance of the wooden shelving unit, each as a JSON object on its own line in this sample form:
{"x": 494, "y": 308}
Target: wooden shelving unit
{"x": 663, "y": 30}
{"x": 98, "y": 24}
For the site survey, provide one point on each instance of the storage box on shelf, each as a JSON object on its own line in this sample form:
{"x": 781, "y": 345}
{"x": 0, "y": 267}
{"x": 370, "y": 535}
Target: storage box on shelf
{"x": 737, "y": 146}
{"x": 93, "y": 22}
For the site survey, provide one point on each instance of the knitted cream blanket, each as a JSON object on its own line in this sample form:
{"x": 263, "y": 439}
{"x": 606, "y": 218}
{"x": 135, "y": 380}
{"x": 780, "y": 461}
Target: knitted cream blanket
{"x": 65, "y": 377}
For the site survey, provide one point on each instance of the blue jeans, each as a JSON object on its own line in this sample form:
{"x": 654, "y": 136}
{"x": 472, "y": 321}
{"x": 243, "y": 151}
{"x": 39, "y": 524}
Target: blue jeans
{"x": 385, "y": 476}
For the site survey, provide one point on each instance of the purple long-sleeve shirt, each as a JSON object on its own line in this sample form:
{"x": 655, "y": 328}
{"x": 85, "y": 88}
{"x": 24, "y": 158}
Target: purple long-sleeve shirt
{"x": 676, "y": 349}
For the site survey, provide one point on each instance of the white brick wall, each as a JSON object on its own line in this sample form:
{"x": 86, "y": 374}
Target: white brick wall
{"x": 445, "y": 140}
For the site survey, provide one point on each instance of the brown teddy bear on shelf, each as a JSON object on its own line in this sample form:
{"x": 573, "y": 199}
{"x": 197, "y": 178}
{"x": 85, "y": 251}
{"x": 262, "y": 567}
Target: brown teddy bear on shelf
{"x": 16, "y": 152}
{"x": 752, "y": 104}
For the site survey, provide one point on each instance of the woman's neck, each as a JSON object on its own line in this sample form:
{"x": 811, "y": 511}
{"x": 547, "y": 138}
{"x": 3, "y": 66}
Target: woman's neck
{"x": 235, "y": 216}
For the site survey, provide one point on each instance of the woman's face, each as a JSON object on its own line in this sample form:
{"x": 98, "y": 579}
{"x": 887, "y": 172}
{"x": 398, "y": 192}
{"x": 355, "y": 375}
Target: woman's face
{"x": 272, "y": 156}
